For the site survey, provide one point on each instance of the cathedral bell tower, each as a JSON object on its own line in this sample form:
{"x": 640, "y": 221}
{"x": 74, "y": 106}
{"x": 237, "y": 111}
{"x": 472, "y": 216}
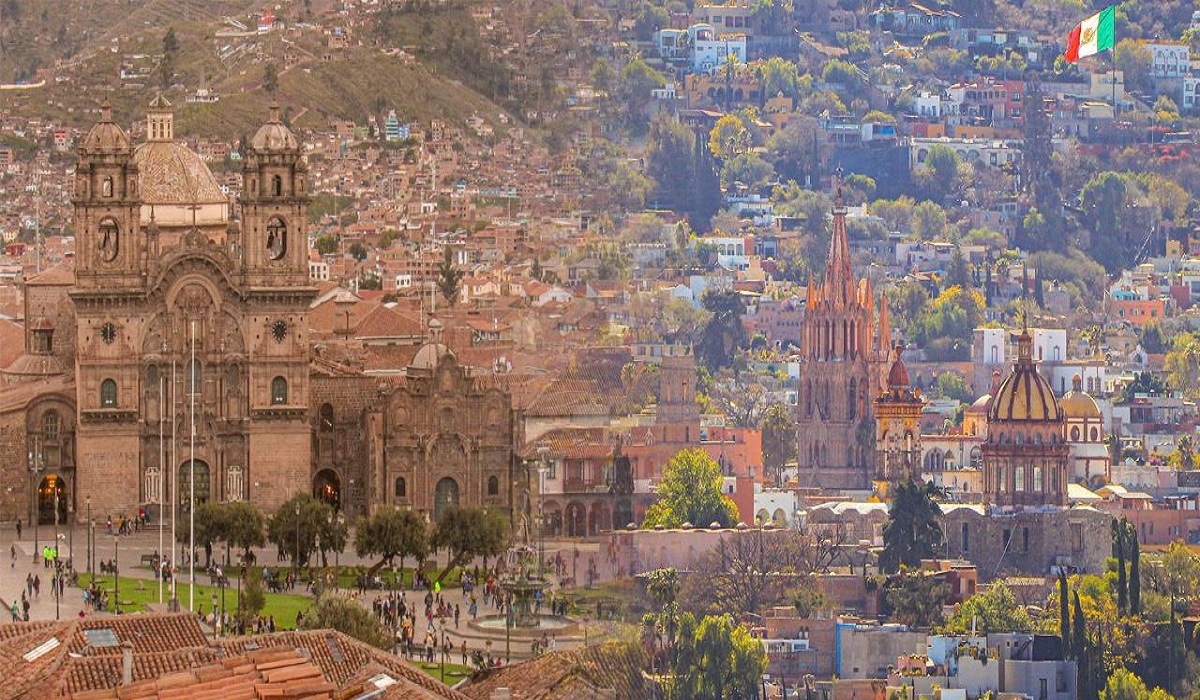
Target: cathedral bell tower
{"x": 109, "y": 253}
{"x": 897, "y": 427}
{"x": 274, "y": 208}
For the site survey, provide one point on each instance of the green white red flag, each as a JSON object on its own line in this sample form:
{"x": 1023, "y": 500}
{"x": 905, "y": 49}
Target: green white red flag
{"x": 1092, "y": 35}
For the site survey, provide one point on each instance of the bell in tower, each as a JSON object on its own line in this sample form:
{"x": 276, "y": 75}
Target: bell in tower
{"x": 274, "y": 207}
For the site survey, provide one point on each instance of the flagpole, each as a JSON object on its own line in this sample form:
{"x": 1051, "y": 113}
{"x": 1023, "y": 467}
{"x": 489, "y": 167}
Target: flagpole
{"x": 174, "y": 497}
{"x": 162, "y": 455}
{"x": 192, "y": 477}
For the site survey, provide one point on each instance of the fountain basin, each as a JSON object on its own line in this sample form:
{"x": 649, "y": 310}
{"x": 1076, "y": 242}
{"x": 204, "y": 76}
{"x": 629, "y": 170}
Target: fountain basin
{"x": 547, "y": 624}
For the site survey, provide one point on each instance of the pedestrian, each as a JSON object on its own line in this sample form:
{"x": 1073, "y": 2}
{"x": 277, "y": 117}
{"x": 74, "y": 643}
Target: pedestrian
{"x": 464, "y": 652}
{"x": 14, "y": 556}
{"x": 16, "y": 613}
{"x": 18, "y": 528}
{"x": 456, "y": 613}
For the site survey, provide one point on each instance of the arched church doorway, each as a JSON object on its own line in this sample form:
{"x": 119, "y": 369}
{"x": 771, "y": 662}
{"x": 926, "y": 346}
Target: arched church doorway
{"x": 444, "y": 496}
{"x": 52, "y": 491}
{"x": 197, "y": 472}
{"x": 327, "y": 488}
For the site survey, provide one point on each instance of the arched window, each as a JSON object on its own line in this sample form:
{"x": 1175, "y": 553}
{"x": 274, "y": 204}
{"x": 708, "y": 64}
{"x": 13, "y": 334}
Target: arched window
{"x": 1075, "y": 434}
{"x": 1095, "y": 435}
{"x": 50, "y": 426}
{"x": 493, "y": 487}
{"x": 401, "y": 487}
{"x": 276, "y": 185}
{"x": 108, "y": 394}
{"x": 276, "y": 238}
{"x": 279, "y": 391}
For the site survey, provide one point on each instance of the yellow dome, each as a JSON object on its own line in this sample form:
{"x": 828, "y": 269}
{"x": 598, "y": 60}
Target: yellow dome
{"x": 1077, "y": 403}
{"x": 1024, "y": 395}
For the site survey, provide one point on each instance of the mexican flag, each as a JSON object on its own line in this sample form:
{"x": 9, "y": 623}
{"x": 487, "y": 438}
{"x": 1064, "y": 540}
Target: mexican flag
{"x": 1091, "y": 36}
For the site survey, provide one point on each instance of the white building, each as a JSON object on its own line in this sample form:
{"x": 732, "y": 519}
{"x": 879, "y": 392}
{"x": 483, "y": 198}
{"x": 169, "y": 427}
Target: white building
{"x": 995, "y": 152}
{"x": 318, "y": 270}
{"x": 1169, "y": 60}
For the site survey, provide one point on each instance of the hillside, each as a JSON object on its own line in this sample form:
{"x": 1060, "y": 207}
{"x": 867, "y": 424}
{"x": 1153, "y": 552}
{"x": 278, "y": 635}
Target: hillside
{"x": 115, "y": 49}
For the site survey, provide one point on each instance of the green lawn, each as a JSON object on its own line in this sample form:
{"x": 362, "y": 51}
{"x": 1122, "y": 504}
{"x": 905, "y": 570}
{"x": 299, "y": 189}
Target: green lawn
{"x": 454, "y": 672}
{"x": 137, "y": 593}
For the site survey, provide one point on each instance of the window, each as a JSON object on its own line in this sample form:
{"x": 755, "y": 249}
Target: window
{"x": 279, "y": 391}
{"x": 1000, "y": 485}
{"x": 277, "y": 185}
{"x": 1019, "y": 479}
{"x": 966, "y": 538}
{"x": 326, "y": 418}
{"x": 108, "y": 394}
{"x": 401, "y": 488}
{"x": 276, "y": 238}
{"x": 1037, "y": 479}
{"x": 153, "y": 485}
{"x": 1024, "y": 539}
{"x": 234, "y": 483}
{"x": 50, "y": 426}
{"x": 493, "y": 486}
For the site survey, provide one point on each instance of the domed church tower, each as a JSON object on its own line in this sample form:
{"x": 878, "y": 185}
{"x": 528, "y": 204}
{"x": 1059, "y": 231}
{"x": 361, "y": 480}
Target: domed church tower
{"x": 1025, "y": 456}
{"x": 898, "y": 425}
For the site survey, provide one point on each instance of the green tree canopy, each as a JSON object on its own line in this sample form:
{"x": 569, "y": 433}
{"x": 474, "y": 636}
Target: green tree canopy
{"x": 716, "y": 659}
{"x": 915, "y": 598}
{"x": 296, "y": 533}
{"x": 468, "y": 533}
{"x": 912, "y": 531}
{"x": 690, "y": 492}
{"x": 1124, "y": 684}
{"x": 392, "y": 532}
{"x": 337, "y": 612}
{"x": 723, "y": 335}
{"x": 1183, "y": 364}
{"x": 245, "y": 526}
{"x": 994, "y": 610}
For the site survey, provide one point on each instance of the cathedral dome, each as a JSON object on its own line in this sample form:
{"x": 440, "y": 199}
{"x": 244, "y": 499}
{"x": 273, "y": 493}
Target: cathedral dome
{"x": 898, "y": 374}
{"x": 429, "y": 355}
{"x": 274, "y": 136}
{"x": 105, "y": 136}
{"x": 1077, "y": 403}
{"x": 1024, "y": 395}
{"x": 170, "y": 173}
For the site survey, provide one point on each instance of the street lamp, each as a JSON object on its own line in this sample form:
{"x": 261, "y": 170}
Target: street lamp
{"x": 36, "y": 466}
{"x": 296, "y": 559}
{"x": 116, "y": 571}
{"x": 90, "y": 533}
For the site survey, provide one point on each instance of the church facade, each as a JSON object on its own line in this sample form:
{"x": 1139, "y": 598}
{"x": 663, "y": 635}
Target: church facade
{"x": 846, "y": 345}
{"x": 173, "y": 362}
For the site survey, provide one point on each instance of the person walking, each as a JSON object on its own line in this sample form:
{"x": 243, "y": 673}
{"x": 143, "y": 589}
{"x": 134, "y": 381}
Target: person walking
{"x": 18, "y": 528}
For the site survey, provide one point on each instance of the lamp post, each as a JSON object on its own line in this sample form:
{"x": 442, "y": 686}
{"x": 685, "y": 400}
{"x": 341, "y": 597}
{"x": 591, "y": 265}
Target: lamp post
{"x": 116, "y": 571}
{"x": 296, "y": 559}
{"x": 36, "y": 465}
{"x": 58, "y": 570}
{"x": 90, "y": 533}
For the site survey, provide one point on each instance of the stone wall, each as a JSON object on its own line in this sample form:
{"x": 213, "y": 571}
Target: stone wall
{"x": 1029, "y": 542}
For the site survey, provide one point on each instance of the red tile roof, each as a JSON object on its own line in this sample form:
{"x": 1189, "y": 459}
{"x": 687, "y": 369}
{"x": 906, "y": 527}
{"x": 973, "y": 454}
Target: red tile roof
{"x": 581, "y": 673}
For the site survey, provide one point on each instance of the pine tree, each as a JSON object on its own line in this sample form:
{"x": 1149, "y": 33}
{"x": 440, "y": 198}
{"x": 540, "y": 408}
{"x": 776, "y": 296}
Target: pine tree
{"x": 1135, "y": 582}
{"x": 1064, "y": 614}
{"x": 1122, "y": 584}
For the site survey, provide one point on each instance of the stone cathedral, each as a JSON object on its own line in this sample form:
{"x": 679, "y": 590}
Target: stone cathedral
{"x": 845, "y": 350}
{"x": 175, "y": 355}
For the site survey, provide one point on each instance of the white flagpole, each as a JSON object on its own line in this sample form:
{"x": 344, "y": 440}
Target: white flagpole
{"x": 174, "y": 497}
{"x": 162, "y": 458}
{"x": 192, "y": 477}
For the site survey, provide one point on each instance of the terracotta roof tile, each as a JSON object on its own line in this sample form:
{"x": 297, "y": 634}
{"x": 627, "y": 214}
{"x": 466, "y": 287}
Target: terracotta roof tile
{"x": 568, "y": 674}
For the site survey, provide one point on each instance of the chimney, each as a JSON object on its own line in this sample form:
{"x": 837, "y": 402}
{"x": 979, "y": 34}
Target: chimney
{"x": 126, "y": 663}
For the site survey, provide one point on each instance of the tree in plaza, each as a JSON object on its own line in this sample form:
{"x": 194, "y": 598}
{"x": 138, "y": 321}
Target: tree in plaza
{"x": 389, "y": 533}
{"x": 244, "y": 527}
{"x": 337, "y": 612}
{"x": 994, "y": 610}
{"x": 915, "y": 599}
{"x": 296, "y": 535}
{"x": 209, "y": 528}
{"x": 468, "y": 533}
{"x": 912, "y": 532}
{"x": 253, "y": 599}
{"x": 690, "y": 492}
{"x": 449, "y": 277}
{"x": 715, "y": 659}
{"x": 1124, "y": 684}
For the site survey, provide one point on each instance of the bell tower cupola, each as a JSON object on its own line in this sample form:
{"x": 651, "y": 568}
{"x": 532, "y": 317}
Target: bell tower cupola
{"x": 275, "y": 207}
